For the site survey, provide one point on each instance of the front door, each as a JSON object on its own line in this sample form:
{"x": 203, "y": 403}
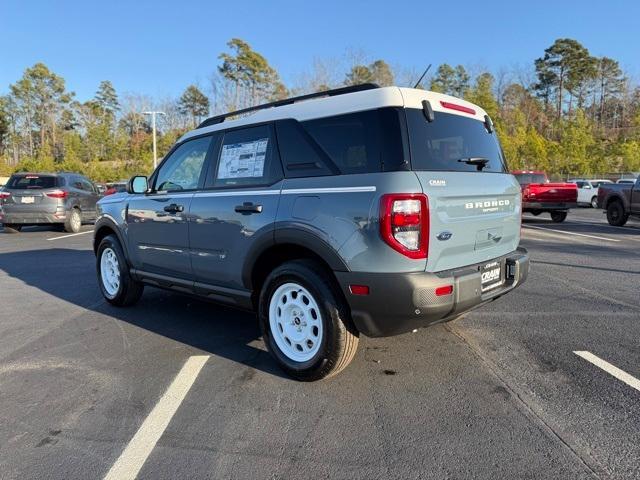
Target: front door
{"x": 157, "y": 222}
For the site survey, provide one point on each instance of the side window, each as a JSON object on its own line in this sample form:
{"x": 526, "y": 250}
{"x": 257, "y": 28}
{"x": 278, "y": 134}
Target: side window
{"x": 87, "y": 185}
{"x": 301, "y": 156}
{"x": 362, "y": 142}
{"x": 182, "y": 170}
{"x": 77, "y": 183}
{"x": 247, "y": 157}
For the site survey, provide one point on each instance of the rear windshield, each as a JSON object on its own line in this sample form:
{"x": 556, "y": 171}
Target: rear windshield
{"x": 527, "y": 178}
{"x": 450, "y": 141}
{"x": 18, "y": 182}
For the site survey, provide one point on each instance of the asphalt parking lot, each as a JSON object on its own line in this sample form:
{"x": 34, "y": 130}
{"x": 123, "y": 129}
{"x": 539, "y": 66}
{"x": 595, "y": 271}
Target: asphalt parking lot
{"x": 497, "y": 394}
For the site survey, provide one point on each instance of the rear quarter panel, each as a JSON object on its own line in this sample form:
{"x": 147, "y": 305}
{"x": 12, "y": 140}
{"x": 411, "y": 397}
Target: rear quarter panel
{"x": 343, "y": 211}
{"x": 615, "y": 191}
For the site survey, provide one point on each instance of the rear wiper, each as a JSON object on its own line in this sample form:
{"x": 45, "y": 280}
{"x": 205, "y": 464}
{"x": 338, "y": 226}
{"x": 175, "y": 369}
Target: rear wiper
{"x": 479, "y": 162}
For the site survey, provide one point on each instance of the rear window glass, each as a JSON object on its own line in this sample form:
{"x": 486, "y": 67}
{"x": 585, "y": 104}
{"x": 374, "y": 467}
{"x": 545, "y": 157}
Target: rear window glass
{"x": 445, "y": 143}
{"x": 301, "y": 155}
{"x": 362, "y": 142}
{"x": 248, "y": 157}
{"x": 527, "y": 178}
{"x": 18, "y": 182}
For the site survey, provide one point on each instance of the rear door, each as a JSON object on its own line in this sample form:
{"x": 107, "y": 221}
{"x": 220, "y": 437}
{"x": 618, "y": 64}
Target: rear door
{"x": 75, "y": 196}
{"x": 238, "y": 207}
{"x": 475, "y": 205}
{"x": 83, "y": 191}
{"x": 91, "y": 195}
{"x": 158, "y": 232}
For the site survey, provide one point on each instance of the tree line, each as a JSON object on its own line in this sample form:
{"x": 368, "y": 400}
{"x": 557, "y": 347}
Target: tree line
{"x": 570, "y": 114}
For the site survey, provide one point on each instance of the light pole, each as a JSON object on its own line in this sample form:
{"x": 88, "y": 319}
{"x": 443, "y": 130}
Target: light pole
{"x": 153, "y": 127}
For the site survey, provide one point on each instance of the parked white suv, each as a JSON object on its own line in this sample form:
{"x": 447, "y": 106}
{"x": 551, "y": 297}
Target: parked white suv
{"x": 588, "y": 190}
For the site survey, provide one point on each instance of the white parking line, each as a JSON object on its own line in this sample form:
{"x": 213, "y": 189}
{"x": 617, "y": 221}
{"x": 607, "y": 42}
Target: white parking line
{"x": 606, "y": 239}
{"x": 627, "y": 227}
{"x": 133, "y": 457}
{"x": 610, "y": 369}
{"x": 70, "y": 235}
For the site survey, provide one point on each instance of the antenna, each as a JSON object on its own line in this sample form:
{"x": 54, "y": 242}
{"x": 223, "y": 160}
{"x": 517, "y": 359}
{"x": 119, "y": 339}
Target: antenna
{"x": 422, "y": 76}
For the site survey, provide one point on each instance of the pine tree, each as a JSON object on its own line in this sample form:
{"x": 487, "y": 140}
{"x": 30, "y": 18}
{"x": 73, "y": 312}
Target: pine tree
{"x": 193, "y": 103}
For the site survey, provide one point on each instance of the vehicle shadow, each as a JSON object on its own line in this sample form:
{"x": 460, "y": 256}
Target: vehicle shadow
{"x": 215, "y": 329}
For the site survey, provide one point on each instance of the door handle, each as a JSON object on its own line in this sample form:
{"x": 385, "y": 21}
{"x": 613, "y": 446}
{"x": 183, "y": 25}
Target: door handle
{"x": 174, "y": 208}
{"x": 247, "y": 208}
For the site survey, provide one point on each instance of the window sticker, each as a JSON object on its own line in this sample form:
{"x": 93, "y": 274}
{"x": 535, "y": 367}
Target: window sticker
{"x": 243, "y": 160}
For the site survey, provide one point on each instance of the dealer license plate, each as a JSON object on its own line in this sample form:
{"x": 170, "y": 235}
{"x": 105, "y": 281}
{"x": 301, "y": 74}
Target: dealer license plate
{"x": 491, "y": 276}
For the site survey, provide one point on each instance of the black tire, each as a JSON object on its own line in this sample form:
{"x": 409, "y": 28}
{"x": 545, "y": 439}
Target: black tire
{"x": 558, "y": 217}
{"x": 339, "y": 340}
{"x": 73, "y": 223}
{"x": 594, "y": 202}
{"x": 11, "y": 228}
{"x": 616, "y": 215}
{"x": 129, "y": 290}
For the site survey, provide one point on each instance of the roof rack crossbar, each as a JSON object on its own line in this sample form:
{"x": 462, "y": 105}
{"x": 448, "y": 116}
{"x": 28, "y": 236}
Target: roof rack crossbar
{"x": 288, "y": 101}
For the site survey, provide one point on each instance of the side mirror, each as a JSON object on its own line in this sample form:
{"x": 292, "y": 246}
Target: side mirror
{"x": 138, "y": 184}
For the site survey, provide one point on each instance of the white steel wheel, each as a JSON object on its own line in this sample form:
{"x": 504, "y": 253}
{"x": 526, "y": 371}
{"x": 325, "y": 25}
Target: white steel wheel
{"x": 295, "y": 322}
{"x": 110, "y": 272}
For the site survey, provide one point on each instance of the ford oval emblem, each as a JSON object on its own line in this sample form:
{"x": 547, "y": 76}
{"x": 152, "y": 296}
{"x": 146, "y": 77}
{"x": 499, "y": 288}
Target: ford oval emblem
{"x": 442, "y": 236}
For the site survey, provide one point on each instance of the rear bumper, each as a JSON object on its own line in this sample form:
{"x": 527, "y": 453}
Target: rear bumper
{"x": 32, "y": 218}
{"x": 400, "y": 302}
{"x": 548, "y": 206}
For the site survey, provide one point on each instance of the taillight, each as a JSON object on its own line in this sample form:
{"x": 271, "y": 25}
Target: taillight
{"x": 404, "y": 223}
{"x": 57, "y": 194}
{"x": 4, "y": 195}
{"x": 457, "y": 107}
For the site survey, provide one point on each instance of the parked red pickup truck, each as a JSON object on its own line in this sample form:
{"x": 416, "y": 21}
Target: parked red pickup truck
{"x": 539, "y": 195}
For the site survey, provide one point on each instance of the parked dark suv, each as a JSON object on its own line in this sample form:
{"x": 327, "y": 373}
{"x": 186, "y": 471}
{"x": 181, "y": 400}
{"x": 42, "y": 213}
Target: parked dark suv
{"x": 369, "y": 210}
{"x": 64, "y": 199}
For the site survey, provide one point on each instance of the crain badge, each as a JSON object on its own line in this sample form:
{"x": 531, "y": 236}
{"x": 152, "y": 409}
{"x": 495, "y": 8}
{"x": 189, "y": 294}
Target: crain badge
{"x": 438, "y": 183}
{"x": 442, "y": 236}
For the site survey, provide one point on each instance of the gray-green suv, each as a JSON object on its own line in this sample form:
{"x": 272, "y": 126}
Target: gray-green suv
{"x": 358, "y": 210}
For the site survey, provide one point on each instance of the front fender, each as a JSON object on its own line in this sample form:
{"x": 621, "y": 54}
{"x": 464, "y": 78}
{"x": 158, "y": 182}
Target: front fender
{"x": 106, "y": 220}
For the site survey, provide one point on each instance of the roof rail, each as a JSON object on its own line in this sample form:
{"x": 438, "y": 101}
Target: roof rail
{"x": 288, "y": 101}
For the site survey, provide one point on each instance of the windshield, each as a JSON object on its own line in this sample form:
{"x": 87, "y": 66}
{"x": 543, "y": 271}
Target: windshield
{"x": 527, "y": 178}
{"x": 29, "y": 181}
{"x": 450, "y": 141}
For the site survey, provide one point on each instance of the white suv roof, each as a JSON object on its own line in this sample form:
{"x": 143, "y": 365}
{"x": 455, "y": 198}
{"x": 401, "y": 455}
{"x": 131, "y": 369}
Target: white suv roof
{"x": 352, "y": 102}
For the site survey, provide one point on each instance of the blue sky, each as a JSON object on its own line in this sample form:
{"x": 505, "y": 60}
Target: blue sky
{"x": 160, "y": 47}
